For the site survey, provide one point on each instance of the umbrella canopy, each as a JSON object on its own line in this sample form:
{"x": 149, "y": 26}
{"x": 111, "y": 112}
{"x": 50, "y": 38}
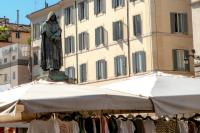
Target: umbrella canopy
{"x": 170, "y": 94}
{"x": 61, "y": 97}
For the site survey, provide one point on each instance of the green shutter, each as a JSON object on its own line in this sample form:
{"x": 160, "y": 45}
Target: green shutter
{"x": 139, "y": 24}
{"x": 174, "y": 55}
{"x": 67, "y": 72}
{"x": 185, "y": 23}
{"x": 172, "y": 20}
{"x": 97, "y": 70}
{"x": 95, "y": 7}
{"x": 124, "y": 65}
{"x": 79, "y": 11}
{"x": 114, "y": 31}
{"x": 115, "y": 66}
{"x": 186, "y": 55}
{"x": 113, "y": 3}
{"x": 143, "y": 61}
{"x": 86, "y": 41}
{"x": 134, "y": 62}
{"x": 80, "y": 41}
{"x": 86, "y": 9}
{"x": 72, "y": 44}
{"x": 105, "y": 69}
{"x": 97, "y": 35}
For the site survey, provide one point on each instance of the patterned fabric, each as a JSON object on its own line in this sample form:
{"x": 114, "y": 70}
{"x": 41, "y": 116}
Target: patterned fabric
{"x": 163, "y": 126}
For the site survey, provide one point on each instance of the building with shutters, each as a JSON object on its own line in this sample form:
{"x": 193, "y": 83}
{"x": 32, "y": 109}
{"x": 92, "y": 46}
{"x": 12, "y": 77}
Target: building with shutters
{"x": 106, "y": 40}
{"x": 195, "y": 4}
{"x": 14, "y": 60}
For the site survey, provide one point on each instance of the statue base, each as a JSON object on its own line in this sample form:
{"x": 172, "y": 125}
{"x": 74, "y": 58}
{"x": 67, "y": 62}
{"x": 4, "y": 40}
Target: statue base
{"x": 56, "y": 76}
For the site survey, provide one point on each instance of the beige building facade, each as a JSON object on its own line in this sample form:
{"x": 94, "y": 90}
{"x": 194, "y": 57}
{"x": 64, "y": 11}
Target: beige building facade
{"x": 195, "y": 4}
{"x": 105, "y": 40}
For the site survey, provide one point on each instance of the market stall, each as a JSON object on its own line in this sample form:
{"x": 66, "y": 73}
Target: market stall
{"x": 171, "y": 94}
{"x": 43, "y": 96}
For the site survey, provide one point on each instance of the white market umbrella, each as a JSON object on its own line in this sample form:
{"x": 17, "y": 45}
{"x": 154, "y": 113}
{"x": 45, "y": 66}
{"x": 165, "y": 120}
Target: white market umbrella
{"x": 170, "y": 94}
{"x": 43, "y": 96}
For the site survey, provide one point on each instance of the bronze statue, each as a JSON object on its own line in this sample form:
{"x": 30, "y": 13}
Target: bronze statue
{"x": 51, "y": 48}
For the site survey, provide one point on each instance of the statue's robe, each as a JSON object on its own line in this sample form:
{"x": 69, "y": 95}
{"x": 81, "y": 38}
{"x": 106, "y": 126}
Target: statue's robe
{"x": 51, "y": 48}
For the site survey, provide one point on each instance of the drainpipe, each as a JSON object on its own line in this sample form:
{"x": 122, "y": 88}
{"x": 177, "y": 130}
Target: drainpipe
{"x": 128, "y": 39}
{"x": 76, "y": 37}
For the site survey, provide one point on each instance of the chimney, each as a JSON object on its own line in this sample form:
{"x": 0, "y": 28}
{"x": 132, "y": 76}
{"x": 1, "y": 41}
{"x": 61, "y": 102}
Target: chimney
{"x": 46, "y": 4}
{"x": 17, "y": 17}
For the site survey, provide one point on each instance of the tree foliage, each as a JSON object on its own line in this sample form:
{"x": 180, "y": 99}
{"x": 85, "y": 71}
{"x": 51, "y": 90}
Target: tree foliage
{"x": 4, "y": 33}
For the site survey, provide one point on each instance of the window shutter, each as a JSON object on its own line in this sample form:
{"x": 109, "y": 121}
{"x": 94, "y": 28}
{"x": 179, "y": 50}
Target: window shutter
{"x": 172, "y": 19}
{"x": 85, "y": 72}
{"x": 115, "y": 66}
{"x": 86, "y": 41}
{"x": 144, "y": 61}
{"x": 186, "y": 55}
{"x": 102, "y": 35}
{"x": 97, "y": 70}
{"x": 67, "y": 72}
{"x": 120, "y": 30}
{"x": 135, "y": 25}
{"x": 72, "y": 44}
{"x": 80, "y": 41}
{"x": 114, "y": 31}
{"x": 65, "y": 45}
{"x": 97, "y": 35}
{"x": 86, "y": 10}
{"x": 174, "y": 54}
{"x": 73, "y": 73}
{"x": 139, "y": 24}
{"x": 102, "y": 6}
{"x": 113, "y": 3}
{"x": 185, "y": 23}
{"x": 95, "y": 7}
{"x": 122, "y": 2}
{"x": 72, "y": 15}
{"x": 79, "y": 11}
{"x": 134, "y": 62}
{"x": 105, "y": 69}
{"x": 124, "y": 65}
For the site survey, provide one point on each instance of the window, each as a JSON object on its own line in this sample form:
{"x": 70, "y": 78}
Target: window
{"x": 14, "y": 76}
{"x": 5, "y": 77}
{"x": 69, "y": 45}
{"x": 99, "y": 6}
{"x": 101, "y": 69}
{"x": 36, "y": 31}
{"x": 83, "y": 10}
{"x": 35, "y": 58}
{"x": 83, "y": 73}
{"x": 17, "y": 34}
{"x": 83, "y": 41}
{"x": 120, "y": 65}
{"x": 70, "y": 73}
{"x": 137, "y": 28}
{"x": 179, "y": 23}
{"x": 139, "y": 62}
{"x": 118, "y": 3}
{"x": 117, "y": 30}
{"x": 69, "y": 15}
{"x": 13, "y": 57}
{"x": 5, "y": 60}
{"x": 99, "y": 36}
{"x": 178, "y": 60}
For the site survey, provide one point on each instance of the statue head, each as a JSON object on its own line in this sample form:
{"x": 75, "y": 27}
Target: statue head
{"x": 51, "y": 17}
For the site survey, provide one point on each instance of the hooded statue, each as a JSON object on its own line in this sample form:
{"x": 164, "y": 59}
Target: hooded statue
{"x": 51, "y": 48}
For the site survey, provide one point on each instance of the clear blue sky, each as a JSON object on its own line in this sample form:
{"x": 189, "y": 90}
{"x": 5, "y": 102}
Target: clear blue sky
{"x": 9, "y": 7}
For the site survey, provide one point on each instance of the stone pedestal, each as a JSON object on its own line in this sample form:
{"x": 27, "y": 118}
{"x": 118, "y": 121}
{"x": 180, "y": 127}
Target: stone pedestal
{"x": 53, "y": 76}
{"x": 197, "y": 69}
